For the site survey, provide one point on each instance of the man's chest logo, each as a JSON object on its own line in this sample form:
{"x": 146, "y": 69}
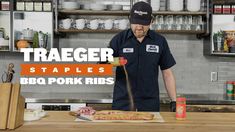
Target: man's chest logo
{"x": 152, "y": 48}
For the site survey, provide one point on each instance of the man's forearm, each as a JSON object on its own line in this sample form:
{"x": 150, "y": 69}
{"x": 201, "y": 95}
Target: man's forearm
{"x": 169, "y": 81}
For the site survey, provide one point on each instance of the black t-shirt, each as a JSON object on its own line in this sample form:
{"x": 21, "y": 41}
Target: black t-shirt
{"x": 143, "y": 61}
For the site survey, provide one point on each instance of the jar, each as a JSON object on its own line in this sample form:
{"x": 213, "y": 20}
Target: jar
{"x": 29, "y": 6}
{"x": 176, "y": 5}
{"x": 5, "y": 5}
{"x": 193, "y": 5}
{"x": 229, "y": 88}
{"x": 226, "y": 9}
{"x": 47, "y": 6}
{"x": 233, "y": 9}
{"x": 217, "y": 9}
{"x": 37, "y": 6}
{"x": 20, "y": 6}
{"x": 181, "y": 108}
{"x": 155, "y": 5}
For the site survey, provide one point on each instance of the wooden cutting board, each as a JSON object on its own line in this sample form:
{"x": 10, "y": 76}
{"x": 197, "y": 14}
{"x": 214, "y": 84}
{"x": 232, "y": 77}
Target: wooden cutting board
{"x": 5, "y": 95}
{"x": 16, "y": 110}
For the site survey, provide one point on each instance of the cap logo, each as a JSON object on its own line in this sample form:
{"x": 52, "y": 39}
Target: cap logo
{"x": 140, "y": 13}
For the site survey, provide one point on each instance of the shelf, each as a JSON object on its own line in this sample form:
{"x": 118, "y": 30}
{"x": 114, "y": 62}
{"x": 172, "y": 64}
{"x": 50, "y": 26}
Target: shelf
{"x": 30, "y": 41}
{"x": 223, "y": 54}
{"x": 4, "y": 50}
{"x": 181, "y": 31}
{"x": 92, "y": 12}
{"x": 178, "y": 13}
{"x": 223, "y": 1}
{"x": 4, "y": 11}
{"x": 31, "y": 11}
{"x": 103, "y": 12}
{"x": 115, "y": 31}
{"x": 88, "y": 31}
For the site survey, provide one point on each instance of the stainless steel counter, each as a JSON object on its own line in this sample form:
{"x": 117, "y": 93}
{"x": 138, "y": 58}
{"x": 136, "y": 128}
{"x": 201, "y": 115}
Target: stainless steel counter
{"x": 203, "y": 99}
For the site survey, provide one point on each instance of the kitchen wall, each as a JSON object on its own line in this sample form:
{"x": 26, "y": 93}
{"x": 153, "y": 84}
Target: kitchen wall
{"x": 192, "y": 71}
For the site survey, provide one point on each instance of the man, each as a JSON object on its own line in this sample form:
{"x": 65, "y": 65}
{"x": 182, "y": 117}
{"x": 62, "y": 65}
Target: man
{"x": 145, "y": 51}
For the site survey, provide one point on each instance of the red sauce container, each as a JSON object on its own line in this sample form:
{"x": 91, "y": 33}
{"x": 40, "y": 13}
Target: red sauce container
{"x": 217, "y": 9}
{"x": 233, "y": 9}
{"x": 226, "y": 9}
{"x": 5, "y": 5}
{"x": 180, "y": 108}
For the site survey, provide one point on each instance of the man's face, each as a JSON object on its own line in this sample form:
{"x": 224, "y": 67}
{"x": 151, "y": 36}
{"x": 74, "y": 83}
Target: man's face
{"x": 139, "y": 30}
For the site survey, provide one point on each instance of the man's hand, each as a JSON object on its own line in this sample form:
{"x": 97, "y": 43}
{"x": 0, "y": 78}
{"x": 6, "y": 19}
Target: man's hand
{"x": 173, "y": 106}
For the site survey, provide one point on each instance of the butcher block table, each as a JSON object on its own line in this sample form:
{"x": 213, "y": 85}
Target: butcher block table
{"x": 196, "y": 122}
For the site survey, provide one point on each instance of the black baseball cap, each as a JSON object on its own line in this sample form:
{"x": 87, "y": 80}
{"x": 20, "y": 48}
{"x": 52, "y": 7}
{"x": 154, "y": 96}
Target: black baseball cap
{"x": 141, "y": 13}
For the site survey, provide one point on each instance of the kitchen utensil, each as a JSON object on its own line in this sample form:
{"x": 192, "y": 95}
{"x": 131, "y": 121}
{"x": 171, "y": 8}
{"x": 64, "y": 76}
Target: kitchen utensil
{"x": 79, "y": 116}
{"x": 86, "y": 6}
{"x": 42, "y": 38}
{"x": 2, "y": 32}
{"x": 97, "y": 6}
{"x": 8, "y": 76}
{"x": 178, "y": 22}
{"x": 80, "y": 24}
{"x": 176, "y": 5}
{"x": 32, "y": 115}
{"x": 37, "y": 6}
{"x": 108, "y": 24}
{"x": 193, "y": 5}
{"x": 4, "y": 42}
{"x": 94, "y": 24}
{"x": 28, "y": 34}
{"x": 70, "y": 5}
{"x": 47, "y": 6}
{"x": 163, "y": 5}
{"x": 114, "y": 7}
{"x": 84, "y": 118}
{"x": 22, "y": 44}
{"x": 155, "y": 5}
{"x": 66, "y": 23}
{"x": 5, "y": 5}
{"x": 134, "y": 1}
{"x": 123, "y": 24}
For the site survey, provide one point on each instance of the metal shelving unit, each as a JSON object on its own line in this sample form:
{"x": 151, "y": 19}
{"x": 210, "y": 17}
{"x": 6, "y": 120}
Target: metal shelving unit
{"x": 115, "y": 31}
{"x": 104, "y": 12}
{"x": 221, "y": 23}
{"x": 22, "y": 23}
{"x": 64, "y": 12}
{"x": 5, "y": 17}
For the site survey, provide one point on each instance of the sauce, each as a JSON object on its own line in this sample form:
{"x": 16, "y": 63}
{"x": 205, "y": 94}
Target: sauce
{"x": 131, "y": 100}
